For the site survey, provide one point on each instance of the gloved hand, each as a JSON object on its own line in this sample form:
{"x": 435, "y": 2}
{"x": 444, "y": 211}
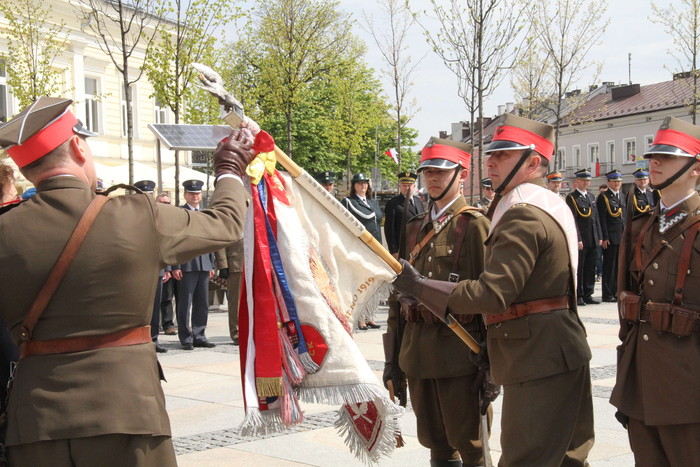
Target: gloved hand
{"x": 223, "y": 273}
{"x": 393, "y": 373}
{"x": 233, "y": 154}
{"x": 488, "y": 391}
{"x": 431, "y": 293}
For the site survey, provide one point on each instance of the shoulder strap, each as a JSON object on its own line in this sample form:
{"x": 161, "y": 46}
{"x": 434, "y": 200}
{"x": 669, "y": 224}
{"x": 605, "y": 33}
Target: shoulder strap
{"x": 417, "y": 249}
{"x": 460, "y": 232}
{"x": 684, "y": 262}
{"x": 61, "y": 267}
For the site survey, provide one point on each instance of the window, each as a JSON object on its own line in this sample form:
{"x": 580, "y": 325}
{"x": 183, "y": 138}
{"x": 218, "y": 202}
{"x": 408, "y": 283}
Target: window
{"x": 134, "y": 115}
{"x": 4, "y": 101}
{"x": 161, "y": 115}
{"x": 648, "y": 139}
{"x": 561, "y": 158}
{"x": 630, "y": 145}
{"x": 92, "y": 105}
{"x": 577, "y": 156}
{"x": 611, "y": 152}
{"x": 593, "y": 153}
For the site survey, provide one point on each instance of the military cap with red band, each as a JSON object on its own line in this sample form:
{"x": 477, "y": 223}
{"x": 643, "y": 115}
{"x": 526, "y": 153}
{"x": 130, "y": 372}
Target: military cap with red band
{"x": 39, "y": 129}
{"x": 445, "y": 154}
{"x": 676, "y": 138}
{"x": 523, "y": 133}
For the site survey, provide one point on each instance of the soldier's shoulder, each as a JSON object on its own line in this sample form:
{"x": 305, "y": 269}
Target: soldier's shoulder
{"x": 418, "y": 217}
{"x": 473, "y": 211}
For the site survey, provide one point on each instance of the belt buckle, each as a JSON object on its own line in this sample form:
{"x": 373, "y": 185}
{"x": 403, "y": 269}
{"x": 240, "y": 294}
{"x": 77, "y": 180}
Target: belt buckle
{"x": 453, "y": 277}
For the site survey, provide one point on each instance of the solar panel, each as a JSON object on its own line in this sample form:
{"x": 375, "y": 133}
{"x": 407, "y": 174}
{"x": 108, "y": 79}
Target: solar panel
{"x": 186, "y": 137}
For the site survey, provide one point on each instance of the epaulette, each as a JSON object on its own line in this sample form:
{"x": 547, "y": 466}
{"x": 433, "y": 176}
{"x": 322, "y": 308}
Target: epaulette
{"x": 476, "y": 213}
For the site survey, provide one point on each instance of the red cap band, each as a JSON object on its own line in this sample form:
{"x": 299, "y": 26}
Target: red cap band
{"x": 679, "y": 140}
{"x": 443, "y": 151}
{"x": 526, "y": 138}
{"x": 44, "y": 141}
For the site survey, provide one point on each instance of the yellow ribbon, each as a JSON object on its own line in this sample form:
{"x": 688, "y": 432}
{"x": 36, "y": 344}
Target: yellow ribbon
{"x": 264, "y": 161}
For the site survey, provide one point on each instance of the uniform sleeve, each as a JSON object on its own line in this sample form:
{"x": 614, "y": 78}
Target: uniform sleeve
{"x": 184, "y": 234}
{"x": 514, "y": 248}
{"x": 221, "y": 261}
{"x": 602, "y": 206}
{"x": 569, "y": 202}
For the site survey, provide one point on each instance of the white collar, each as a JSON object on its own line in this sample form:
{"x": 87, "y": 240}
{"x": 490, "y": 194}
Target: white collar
{"x": 437, "y": 214}
{"x": 664, "y": 207}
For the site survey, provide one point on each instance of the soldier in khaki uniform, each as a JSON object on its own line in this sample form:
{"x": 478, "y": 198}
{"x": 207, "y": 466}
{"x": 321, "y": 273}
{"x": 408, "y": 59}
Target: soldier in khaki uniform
{"x": 81, "y": 394}
{"x": 657, "y": 391}
{"x": 445, "y": 243}
{"x": 536, "y": 341}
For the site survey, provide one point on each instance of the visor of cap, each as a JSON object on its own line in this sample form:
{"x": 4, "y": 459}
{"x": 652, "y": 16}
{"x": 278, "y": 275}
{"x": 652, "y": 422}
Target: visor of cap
{"x": 437, "y": 164}
{"x": 502, "y": 145}
{"x": 666, "y": 149}
{"x": 82, "y": 130}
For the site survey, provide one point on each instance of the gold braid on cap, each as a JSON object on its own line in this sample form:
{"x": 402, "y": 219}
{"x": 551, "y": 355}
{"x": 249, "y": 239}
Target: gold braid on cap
{"x": 617, "y": 213}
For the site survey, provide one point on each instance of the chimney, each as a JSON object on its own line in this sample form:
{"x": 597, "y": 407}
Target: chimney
{"x": 622, "y": 92}
{"x": 501, "y": 109}
{"x": 442, "y": 135}
{"x": 509, "y": 107}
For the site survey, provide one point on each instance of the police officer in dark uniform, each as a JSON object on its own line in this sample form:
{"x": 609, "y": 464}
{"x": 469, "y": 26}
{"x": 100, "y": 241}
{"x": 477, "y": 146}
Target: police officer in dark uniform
{"x": 327, "y": 180}
{"x": 394, "y": 210}
{"x": 440, "y": 374}
{"x": 612, "y": 209}
{"x": 642, "y": 197}
{"x": 583, "y": 205}
{"x": 363, "y": 206}
{"x": 193, "y": 288}
{"x": 658, "y": 372}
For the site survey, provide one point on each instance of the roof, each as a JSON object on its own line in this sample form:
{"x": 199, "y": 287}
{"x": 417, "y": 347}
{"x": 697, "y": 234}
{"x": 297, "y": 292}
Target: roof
{"x": 652, "y": 97}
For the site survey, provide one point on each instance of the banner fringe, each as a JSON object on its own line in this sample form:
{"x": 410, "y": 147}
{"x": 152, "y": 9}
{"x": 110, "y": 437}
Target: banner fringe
{"x": 269, "y": 387}
{"x": 309, "y": 365}
{"x": 386, "y": 442}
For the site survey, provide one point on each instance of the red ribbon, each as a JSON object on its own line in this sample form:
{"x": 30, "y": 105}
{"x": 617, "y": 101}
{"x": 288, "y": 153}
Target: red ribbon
{"x": 679, "y": 140}
{"x": 518, "y": 135}
{"x": 443, "y": 151}
{"x": 263, "y": 142}
{"x": 43, "y": 141}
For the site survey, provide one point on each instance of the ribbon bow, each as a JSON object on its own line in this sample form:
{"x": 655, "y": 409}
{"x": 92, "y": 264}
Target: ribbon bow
{"x": 264, "y": 147}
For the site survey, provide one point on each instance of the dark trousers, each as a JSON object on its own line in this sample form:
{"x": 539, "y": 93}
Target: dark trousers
{"x": 664, "y": 446}
{"x": 193, "y": 290}
{"x": 586, "y": 272}
{"x": 115, "y": 450}
{"x": 169, "y": 290}
{"x": 155, "y": 317}
{"x": 610, "y": 271}
{"x": 447, "y": 415}
{"x": 548, "y": 421}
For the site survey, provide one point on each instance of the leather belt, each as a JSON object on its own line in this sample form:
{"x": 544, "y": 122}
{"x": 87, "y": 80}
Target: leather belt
{"x": 129, "y": 336}
{"x": 518, "y": 310}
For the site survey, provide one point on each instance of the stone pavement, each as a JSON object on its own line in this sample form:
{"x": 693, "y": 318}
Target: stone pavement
{"x": 205, "y": 405}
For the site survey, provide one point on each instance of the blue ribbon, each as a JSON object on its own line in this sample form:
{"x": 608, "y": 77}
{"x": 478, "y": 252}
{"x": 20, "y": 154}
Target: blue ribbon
{"x": 279, "y": 270}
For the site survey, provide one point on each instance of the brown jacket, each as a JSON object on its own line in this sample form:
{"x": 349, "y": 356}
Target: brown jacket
{"x": 108, "y": 287}
{"x": 434, "y": 350}
{"x": 658, "y": 374}
{"x": 526, "y": 259}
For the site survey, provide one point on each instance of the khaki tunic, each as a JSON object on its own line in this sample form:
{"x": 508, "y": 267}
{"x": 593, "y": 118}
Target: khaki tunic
{"x": 434, "y": 350}
{"x": 108, "y": 287}
{"x": 658, "y": 376}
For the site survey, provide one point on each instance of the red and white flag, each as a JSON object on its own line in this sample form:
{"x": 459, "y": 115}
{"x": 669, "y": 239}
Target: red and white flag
{"x": 392, "y": 153}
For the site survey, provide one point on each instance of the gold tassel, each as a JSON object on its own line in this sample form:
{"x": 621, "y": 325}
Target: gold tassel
{"x": 269, "y": 387}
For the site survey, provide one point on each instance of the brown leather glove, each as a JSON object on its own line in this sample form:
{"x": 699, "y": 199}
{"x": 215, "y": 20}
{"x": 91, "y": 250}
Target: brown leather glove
{"x": 233, "y": 154}
{"x": 433, "y": 294}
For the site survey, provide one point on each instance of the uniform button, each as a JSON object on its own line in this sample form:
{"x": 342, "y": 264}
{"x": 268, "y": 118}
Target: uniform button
{"x": 505, "y": 334}
{"x": 432, "y": 245}
{"x": 430, "y": 258}
{"x": 655, "y": 265}
{"x": 645, "y": 337}
{"x": 449, "y": 252}
{"x": 430, "y": 274}
{"x": 651, "y": 282}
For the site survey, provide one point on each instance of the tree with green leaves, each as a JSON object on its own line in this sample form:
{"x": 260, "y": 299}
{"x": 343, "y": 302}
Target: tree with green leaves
{"x": 566, "y": 30}
{"x": 188, "y": 36}
{"x": 682, "y": 23}
{"x": 532, "y": 85}
{"x": 34, "y": 41}
{"x": 124, "y": 28}
{"x": 391, "y": 39}
{"x": 297, "y": 42}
